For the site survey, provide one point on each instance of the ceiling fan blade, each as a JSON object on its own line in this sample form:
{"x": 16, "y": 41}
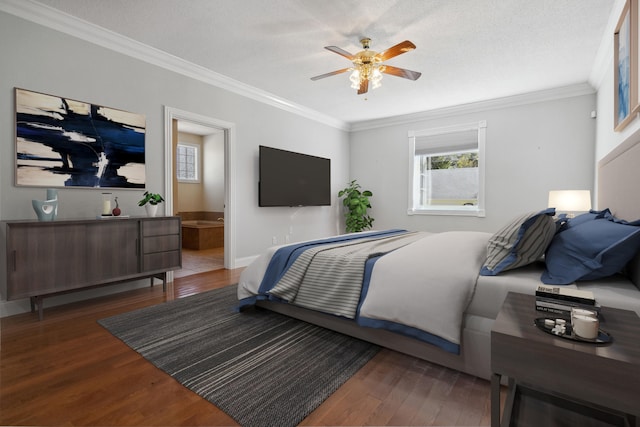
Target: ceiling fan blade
{"x": 364, "y": 87}
{"x": 333, "y": 73}
{"x": 339, "y": 51}
{"x": 396, "y": 50}
{"x": 401, "y": 72}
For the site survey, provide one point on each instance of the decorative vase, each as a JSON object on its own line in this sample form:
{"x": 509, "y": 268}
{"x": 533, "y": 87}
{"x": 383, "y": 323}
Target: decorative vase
{"x": 47, "y": 210}
{"x": 152, "y": 210}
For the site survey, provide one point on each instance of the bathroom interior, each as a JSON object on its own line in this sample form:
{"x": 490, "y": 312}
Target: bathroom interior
{"x": 200, "y": 203}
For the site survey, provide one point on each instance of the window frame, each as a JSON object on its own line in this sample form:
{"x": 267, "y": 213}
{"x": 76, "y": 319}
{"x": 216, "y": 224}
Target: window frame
{"x": 198, "y": 162}
{"x": 476, "y": 210}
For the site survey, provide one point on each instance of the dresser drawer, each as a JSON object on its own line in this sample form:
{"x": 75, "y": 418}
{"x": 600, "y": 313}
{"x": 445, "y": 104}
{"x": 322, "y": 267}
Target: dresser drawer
{"x": 160, "y": 226}
{"x": 160, "y": 244}
{"x": 162, "y": 261}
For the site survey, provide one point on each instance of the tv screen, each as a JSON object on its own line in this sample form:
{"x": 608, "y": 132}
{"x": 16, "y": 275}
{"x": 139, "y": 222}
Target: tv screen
{"x": 293, "y": 179}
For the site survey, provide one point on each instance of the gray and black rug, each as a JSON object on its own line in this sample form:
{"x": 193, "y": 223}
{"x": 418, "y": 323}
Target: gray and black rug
{"x": 260, "y": 367}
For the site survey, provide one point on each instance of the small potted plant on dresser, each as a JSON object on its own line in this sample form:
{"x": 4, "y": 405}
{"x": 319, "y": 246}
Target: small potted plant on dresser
{"x": 150, "y": 201}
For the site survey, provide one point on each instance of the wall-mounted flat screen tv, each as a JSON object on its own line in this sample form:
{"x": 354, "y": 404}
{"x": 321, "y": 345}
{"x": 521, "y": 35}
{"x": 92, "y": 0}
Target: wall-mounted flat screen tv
{"x": 293, "y": 179}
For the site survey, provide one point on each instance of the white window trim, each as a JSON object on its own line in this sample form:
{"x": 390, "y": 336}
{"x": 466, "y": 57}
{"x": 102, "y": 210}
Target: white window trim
{"x": 477, "y": 211}
{"x": 198, "y": 179}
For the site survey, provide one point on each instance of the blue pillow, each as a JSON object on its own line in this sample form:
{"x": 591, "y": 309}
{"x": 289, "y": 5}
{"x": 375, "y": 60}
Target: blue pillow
{"x": 591, "y": 250}
{"x": 565, "y": 223}
{"x": 520, "y": 242}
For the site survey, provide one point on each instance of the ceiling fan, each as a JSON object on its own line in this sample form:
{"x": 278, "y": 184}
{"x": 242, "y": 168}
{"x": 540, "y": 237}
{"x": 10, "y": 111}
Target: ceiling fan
{"x": 368, "y": 65}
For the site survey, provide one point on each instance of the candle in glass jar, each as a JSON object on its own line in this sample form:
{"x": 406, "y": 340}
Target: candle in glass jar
{"x": 106, "y": 203}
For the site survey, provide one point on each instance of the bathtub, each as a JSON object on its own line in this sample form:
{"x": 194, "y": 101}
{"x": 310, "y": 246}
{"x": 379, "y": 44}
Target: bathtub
{"x": 201, "y": 234}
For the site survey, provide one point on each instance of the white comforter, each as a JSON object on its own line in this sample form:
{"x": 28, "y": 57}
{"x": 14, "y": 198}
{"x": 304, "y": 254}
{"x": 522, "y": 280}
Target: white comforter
{"x": 428, "y": 284}
{"x": 425, "y": 285}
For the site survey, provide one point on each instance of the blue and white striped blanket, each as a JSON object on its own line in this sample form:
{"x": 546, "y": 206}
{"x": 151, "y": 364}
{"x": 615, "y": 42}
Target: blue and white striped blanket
{"x": 417, "y": 284}
{"x": 330, "y": 277}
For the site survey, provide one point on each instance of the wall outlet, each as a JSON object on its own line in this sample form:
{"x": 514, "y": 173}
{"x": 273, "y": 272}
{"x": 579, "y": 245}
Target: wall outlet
{"x": 274, "y": 240}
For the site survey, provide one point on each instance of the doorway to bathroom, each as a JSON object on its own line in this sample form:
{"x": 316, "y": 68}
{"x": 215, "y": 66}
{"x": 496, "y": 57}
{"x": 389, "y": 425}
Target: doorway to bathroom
{"x": 199, "y": 149}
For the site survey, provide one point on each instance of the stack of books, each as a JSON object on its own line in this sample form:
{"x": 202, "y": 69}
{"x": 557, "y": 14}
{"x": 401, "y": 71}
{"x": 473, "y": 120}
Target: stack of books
{"x": 560, "y": 300}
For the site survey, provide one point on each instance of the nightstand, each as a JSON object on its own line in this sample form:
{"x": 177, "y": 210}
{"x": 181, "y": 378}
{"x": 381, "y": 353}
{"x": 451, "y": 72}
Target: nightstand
{"x": 554, "y": 380}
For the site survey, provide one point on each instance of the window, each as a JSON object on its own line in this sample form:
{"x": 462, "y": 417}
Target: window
{"x": 447, "y": 174}
{"x": 188, "y": 162}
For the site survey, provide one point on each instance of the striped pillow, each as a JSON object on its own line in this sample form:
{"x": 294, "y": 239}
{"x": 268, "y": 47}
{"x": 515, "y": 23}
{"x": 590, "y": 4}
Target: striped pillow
{"x": 521, "y": 242}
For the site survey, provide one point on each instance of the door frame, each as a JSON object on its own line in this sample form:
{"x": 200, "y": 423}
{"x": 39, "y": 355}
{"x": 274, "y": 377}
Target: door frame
{"x": 171, "y": 114}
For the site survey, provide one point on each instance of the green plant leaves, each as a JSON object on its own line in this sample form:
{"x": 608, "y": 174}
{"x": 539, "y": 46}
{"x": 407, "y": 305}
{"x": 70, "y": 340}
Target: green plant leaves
{"x": 357, "y": 203}
{"x": 151, "y": 198}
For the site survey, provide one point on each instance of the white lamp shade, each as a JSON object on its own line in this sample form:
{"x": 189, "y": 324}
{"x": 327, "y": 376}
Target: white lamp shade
{"x": 570, "y": 200}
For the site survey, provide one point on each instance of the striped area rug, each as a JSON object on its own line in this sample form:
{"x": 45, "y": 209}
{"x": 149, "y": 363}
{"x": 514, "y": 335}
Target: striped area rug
{"x": 260, "y": 367}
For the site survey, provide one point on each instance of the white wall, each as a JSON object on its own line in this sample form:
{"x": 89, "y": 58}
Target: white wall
{"x": 47, "y": 61}
{"x": 606, "y": 138}
{"x": 44, "y": 60}
{"x": 213, "y": 172}
{"x": 531, "y": 148}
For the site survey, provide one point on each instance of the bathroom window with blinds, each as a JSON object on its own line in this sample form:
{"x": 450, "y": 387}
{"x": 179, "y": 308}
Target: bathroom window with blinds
{"x": 188, "y": 162}
{"x": 447, "y": 174}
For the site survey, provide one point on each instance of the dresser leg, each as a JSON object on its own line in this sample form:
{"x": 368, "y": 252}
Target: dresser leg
{"x": 37, "y": 301}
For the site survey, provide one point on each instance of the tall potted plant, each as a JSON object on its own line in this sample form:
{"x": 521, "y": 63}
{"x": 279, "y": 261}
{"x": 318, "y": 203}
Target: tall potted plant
{"x": 356, "y": 202}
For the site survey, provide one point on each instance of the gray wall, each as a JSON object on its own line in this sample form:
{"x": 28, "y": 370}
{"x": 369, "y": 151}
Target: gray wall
{"x": 530, "y": 149}
{"x": 46, "y": 61}
{"x": 606, "y": 138}
{"x": 43, "y": 60}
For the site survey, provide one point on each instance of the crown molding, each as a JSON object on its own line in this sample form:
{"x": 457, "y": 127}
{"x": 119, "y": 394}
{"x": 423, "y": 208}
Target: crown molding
{"x": 57, "y": 20}
{"x": 52, "y": 18}
{"x": 492, "y": 104}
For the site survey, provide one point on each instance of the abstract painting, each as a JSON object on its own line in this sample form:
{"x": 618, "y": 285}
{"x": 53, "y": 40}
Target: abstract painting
{"x": 61, "y": 142}
{"x": 622, "y": 71}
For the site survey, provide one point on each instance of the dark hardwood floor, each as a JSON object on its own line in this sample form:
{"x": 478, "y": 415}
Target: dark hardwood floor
{"x": 67, "y": 370}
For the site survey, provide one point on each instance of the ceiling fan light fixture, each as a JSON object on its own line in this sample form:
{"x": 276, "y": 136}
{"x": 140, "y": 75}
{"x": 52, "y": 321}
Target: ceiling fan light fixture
{"x": 368, "y": 66}
{"x": 355, "y": 78}
{"x": 376, "y": 78}
{"x": 364, "y": 72}
{"x": 367, "y": 71}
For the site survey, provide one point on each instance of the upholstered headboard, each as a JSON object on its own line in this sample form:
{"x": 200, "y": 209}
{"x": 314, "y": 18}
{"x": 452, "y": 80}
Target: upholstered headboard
{"x": 618, "y": 179}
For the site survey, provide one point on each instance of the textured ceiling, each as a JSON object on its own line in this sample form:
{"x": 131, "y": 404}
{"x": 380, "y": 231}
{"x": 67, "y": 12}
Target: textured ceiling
{"x": 467, "y": 50}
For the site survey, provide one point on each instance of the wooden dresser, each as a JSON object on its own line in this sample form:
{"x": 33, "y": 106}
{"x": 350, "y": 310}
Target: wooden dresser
{"x": 48, "y": 258}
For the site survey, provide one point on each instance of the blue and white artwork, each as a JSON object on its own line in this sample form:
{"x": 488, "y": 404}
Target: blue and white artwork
{"x": 61, "y": 142}
{"x": 623, "y": 70}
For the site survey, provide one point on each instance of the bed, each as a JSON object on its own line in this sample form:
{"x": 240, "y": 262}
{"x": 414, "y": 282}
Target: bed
{"x": 435, "y": 295}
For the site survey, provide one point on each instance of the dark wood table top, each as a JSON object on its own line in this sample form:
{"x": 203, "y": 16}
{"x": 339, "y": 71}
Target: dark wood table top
{"x": 606, "y": 374}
